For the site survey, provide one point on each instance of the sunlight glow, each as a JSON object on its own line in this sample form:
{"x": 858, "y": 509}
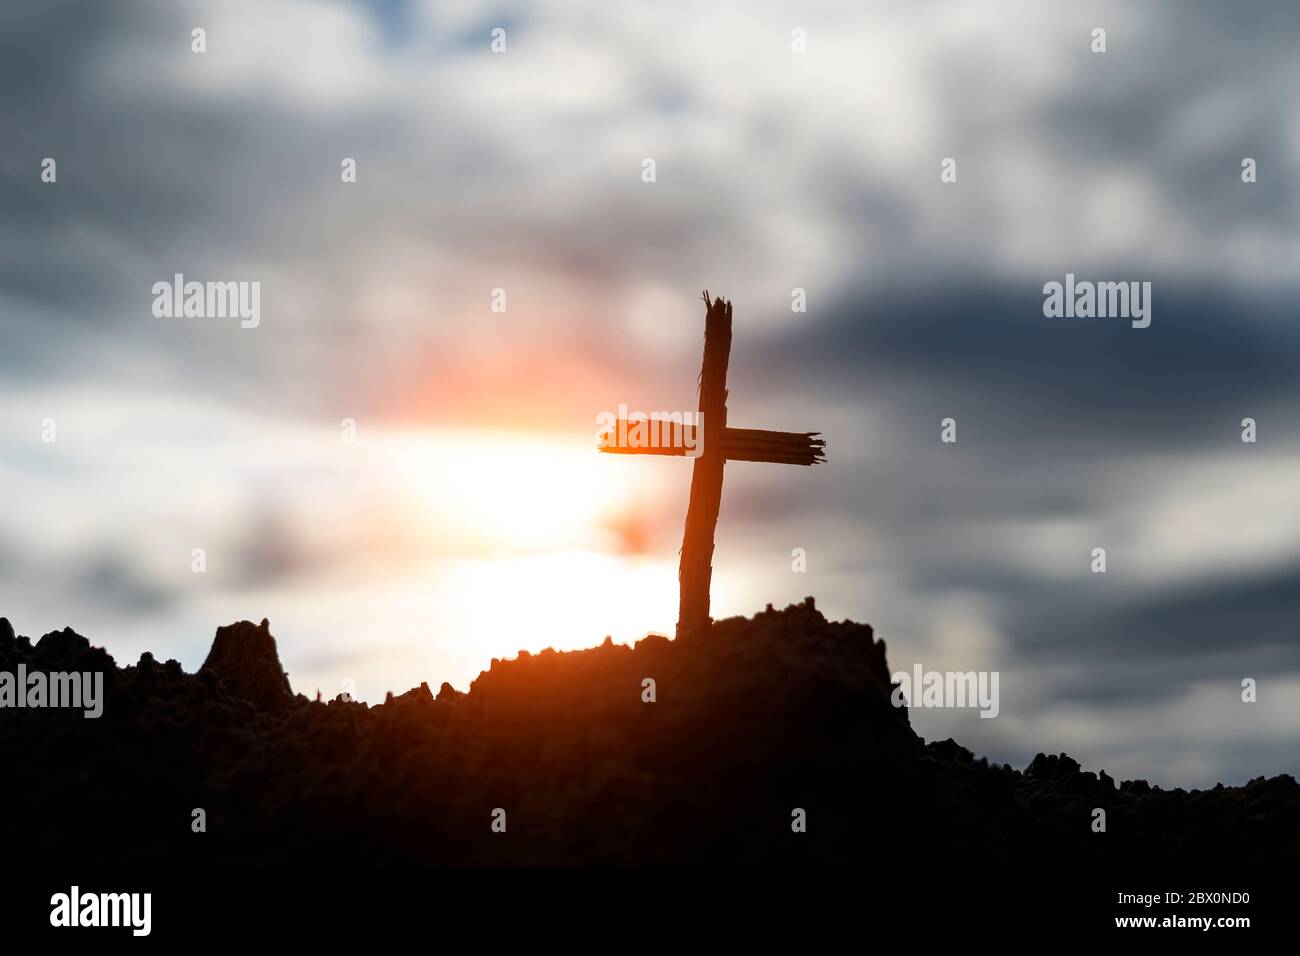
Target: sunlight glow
{"x": 516, "y": 541}
{"x": 566, "y": 600}
{"x": 514, "y": 492}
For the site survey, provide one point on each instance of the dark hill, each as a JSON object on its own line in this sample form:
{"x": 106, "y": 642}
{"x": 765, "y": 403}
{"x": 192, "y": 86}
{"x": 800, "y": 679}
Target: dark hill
{"x": 753, "y": 718}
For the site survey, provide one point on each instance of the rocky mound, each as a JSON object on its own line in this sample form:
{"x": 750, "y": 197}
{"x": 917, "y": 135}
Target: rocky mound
{"x": 751, "y": 720}
{"x": 245, "y": 660}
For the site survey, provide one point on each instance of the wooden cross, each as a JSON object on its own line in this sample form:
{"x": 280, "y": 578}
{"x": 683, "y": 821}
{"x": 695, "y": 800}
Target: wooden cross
{"x": 721, "y": 444}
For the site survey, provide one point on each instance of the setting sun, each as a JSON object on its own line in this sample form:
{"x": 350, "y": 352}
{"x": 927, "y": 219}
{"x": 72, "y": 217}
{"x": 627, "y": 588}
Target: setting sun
{"x": 517, "y": 492}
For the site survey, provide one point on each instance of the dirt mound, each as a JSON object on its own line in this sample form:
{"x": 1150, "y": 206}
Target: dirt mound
{"x": 704, "y": 750}
{"x": 245, "y": 659}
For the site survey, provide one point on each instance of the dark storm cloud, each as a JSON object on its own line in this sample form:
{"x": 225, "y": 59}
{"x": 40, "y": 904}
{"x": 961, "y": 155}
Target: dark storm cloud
{"x": 1052, "y": 414}
{"x": 983, "y": 352}
{"x": 1249, "y": 615}
{"x": 152, "y": 180}
{"x": 156, "y": 180}
{"x": 111, "y": 582}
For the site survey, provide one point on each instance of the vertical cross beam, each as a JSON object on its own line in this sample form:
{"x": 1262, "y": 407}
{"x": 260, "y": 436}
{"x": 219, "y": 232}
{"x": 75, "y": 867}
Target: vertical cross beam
{"x": 696, "y": 568}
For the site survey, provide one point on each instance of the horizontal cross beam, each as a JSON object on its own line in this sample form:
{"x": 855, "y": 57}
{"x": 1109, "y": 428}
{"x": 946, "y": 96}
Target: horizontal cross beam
{"x": 656, "y": 436}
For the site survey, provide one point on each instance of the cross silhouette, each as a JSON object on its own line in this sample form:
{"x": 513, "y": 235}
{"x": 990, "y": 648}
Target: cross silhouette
{"x": 720, "y": 444}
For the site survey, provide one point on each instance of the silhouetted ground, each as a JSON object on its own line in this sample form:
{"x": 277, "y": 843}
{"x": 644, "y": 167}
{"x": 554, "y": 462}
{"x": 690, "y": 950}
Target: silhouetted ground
{"x": 752, "y": 719}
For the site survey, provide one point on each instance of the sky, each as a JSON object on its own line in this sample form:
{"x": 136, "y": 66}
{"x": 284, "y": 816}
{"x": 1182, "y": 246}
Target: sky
{"x": 463, "y": 514}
